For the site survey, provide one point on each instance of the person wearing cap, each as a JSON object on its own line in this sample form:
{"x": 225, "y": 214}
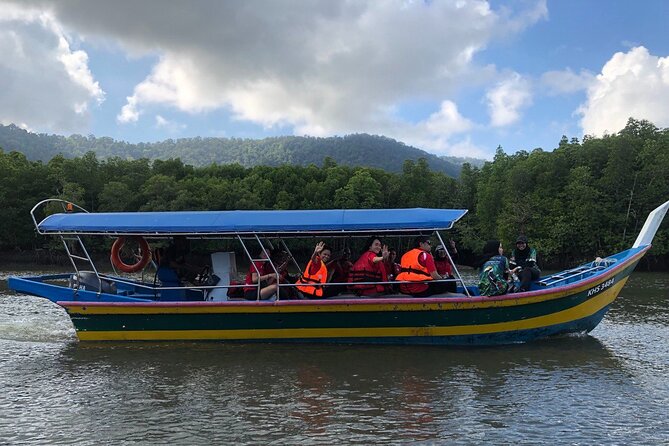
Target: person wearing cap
{"x": 418, "y": 268}
{"x": 526, "y": 258}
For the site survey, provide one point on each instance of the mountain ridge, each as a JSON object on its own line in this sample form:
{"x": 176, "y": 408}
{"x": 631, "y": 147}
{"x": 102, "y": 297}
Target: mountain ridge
{"x": 353, "y": 150}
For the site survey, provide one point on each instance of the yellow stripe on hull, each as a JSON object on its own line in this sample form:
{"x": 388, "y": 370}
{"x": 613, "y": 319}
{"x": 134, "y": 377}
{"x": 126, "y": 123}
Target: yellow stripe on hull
{"x": 581, "y": 311}
{"x": 274, "y": 307}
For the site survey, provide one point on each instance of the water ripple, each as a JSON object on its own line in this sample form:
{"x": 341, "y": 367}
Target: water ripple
{"x": 610, "y": 387}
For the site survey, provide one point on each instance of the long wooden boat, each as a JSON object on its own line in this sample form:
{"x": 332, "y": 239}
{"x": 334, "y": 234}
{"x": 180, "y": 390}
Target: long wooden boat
{"x": 119, "y": 307}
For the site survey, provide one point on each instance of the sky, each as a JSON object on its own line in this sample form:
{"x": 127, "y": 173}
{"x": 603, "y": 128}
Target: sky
{"x": 452, "y": 77}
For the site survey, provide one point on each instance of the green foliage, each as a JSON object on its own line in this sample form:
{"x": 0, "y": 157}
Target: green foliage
{"x": 581, "y": 200}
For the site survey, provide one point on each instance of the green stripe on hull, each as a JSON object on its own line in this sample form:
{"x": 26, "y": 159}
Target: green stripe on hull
{"x": 324, "y": 320}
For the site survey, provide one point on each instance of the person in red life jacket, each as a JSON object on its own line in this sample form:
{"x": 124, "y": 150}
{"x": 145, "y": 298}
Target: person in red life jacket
{"x": 310, "y": 283}
{"x": 370, "y": 267}
{"x": 261, "y": 272}
{"x": 338, "y": 270}
{"x": 445, "y": 267}
{"x": 418, "y": 268}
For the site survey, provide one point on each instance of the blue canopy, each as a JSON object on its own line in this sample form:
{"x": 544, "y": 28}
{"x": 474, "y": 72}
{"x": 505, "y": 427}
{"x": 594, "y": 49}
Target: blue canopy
{"x": 234, "y": 222}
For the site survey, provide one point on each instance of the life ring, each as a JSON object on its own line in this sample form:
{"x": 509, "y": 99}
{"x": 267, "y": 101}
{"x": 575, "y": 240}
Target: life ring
{"x": 144, "y": 257}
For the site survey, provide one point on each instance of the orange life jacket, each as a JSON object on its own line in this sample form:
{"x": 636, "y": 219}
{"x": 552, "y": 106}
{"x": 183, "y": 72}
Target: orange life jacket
{"x": 411, "y": 269}
{"x": 306, "y": 282}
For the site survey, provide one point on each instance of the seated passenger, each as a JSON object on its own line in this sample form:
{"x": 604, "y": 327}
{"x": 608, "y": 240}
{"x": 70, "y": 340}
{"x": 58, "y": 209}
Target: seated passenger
{"x": 172, "y": 266}
{"x": 494, "y": 274}
{"x": 445, "y": 268}
{"x": 392, "y": 267}
{"x": 525, "y": 258}
{"x": 370, "y": 267}
{"x": 280, "y": 259}
{"x": 338, "y": 270}
{"x": 310, "y": 283}
{"x": 417, "y": 266}
{"x": 260, "y": 272}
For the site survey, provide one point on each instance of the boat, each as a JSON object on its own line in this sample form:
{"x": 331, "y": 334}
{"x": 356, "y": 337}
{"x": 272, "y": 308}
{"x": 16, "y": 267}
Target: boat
{"x": 132, "y": 305}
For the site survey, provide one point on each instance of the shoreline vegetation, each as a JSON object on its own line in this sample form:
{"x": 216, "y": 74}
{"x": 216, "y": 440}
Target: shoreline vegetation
{"x": 581, "y": 200}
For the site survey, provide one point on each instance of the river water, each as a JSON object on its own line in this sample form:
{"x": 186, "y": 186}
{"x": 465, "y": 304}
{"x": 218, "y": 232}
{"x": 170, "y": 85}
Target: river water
{"x": 610, "y": 387}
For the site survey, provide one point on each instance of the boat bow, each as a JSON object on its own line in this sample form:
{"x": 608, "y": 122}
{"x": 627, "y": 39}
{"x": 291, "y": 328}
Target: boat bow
{"x": 651, "y": 225}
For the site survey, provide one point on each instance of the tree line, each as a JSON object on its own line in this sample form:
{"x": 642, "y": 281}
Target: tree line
{"x": 578, "y": 201}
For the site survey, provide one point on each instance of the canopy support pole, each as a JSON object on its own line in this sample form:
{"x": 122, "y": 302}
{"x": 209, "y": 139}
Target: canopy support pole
{"x": 457, "y": 273}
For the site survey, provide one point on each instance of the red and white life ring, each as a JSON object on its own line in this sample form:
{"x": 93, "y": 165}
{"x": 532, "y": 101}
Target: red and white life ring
{"x": 143, "y": 259}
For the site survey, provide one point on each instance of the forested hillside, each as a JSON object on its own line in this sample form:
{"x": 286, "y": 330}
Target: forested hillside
{"x": 352, "y": 150}
{"x": 581, "y": 200}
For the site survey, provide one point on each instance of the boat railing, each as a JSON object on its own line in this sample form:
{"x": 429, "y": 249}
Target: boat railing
{"x": 153, "y": 290}
{"x": 83, "y": 258}
{"x": 578, "y": 272}
{"x": 67, "y": 206}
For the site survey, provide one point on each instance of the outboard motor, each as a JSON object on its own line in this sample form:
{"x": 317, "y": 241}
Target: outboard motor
{"x": 89, "y": 281}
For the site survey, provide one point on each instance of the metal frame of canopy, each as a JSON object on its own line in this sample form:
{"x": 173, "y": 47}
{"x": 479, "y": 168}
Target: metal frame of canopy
{"x": 377, "y": 227}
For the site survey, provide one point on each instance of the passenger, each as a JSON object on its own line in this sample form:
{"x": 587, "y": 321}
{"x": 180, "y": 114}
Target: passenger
{"x": 392, "y": 267}
{"x": 445, "y": 267}
{"x": 526, "y": 259}
{"x": 452, "y": 250}
{"x": 173, "y": 269}
{"x": 260, "y": 272}
{"x": 495, "y": 271}
{"x": 310, "y": 283}
{"x": 370, "y": 267}
{"x": 338, "y": 270}
{"x": 280, "y": 259}
{"x": 418, "y": 267}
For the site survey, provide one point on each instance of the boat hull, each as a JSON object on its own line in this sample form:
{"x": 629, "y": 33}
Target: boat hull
{"x": 514, "y": 318}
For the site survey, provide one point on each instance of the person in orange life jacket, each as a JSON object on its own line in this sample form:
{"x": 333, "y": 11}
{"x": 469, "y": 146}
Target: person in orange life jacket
{"x": 310, "y": 283}
{"x": 418, "y": 267}
{"x": 261, "y": 272}
{"x": 338, "y": 270}
{"x": 370, "y": 267}
{"x": 444, "y": 267}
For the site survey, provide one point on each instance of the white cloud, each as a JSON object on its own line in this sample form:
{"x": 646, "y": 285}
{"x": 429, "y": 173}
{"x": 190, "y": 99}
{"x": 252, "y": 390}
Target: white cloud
{"x": 317, "y": 67}
{"x": 566, "y": 81}
{"x": 46, "y": 84}
{"x": 170, "y": 126}
{"x": 467, "y": 149}
{"x": 528, "y": 14}
{"x": 437, "y": 131}
{"x": 447, "y": 120}
{"x": 326, "y": 68}
{"x": 633, "y": 84}
{"x": 507, "y": 99}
